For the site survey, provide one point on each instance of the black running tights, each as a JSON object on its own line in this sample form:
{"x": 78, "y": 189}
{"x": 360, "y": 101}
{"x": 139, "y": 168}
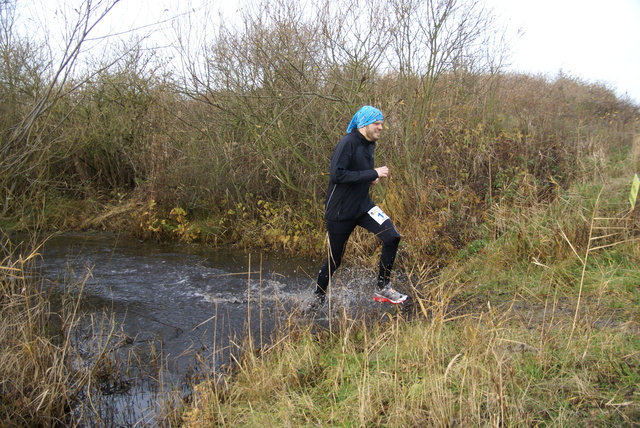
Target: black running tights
{"x": 339, "y": 233}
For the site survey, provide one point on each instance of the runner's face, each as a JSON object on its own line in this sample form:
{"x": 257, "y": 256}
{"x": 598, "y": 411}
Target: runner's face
{"x": 372, "y": 132}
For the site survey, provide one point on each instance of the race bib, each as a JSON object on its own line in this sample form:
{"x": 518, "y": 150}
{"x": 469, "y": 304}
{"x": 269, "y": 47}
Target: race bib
{"x": 378, "y": 215}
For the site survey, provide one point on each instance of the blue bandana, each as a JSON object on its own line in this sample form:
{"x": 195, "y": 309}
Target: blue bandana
{"x": 363, "y": 117}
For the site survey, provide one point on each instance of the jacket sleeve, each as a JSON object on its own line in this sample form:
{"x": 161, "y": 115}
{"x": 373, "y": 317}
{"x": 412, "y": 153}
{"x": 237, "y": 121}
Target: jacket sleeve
{"x": 341, "y": 161}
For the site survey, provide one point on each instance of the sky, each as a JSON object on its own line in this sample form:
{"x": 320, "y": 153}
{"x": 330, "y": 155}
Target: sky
{"x": 594, "y": 40}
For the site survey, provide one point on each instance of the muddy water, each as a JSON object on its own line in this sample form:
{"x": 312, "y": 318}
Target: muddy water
{"x": 186, "y": 305}
{"x": 180, "y": 300}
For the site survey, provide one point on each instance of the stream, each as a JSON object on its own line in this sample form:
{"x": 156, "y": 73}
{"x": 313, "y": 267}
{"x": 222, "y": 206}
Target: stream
{"x": 180, "y": 305}
{"x": 176, "y": 301}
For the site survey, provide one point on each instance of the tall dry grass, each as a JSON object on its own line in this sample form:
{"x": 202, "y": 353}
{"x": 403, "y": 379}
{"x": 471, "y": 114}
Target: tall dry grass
{"x": 50, "y": 371}
{"x": 531, "y": 346}
{"x": 537, "y": 327}
{"x": 487, "y": 367}
{"x": 239, "y": 140}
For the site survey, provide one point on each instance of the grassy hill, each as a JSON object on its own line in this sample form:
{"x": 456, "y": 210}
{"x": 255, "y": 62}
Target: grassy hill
{"x": 510, "y": 191}
{"x": 537, "y": 325}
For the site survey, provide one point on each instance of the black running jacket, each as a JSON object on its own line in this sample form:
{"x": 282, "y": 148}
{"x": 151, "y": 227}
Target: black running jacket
{"x": 350, "y": 175}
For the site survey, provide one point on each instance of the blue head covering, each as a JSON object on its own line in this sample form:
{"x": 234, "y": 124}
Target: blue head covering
{"x": 363, "y": 117}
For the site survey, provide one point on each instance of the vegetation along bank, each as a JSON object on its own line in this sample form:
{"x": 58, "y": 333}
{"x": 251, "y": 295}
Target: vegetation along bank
{"x": 511, "y": 192}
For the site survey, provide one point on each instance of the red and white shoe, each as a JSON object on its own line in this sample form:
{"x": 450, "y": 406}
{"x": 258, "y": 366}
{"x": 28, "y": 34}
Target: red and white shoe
{"x": 389, "y": 295}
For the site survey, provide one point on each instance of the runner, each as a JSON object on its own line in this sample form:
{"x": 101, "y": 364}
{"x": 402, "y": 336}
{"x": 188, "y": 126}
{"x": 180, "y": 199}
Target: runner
{"x": 348, "y": 204}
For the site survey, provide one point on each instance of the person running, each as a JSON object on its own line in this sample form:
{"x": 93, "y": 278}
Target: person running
{"x": 348, "y": 204}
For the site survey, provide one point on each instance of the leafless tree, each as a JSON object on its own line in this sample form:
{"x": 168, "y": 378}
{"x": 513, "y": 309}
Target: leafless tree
{"x": 37, "y": 80}
{"x": 285, "y": 73}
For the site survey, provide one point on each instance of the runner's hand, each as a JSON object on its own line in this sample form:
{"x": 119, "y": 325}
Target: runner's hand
{"x": 382, "y": 171}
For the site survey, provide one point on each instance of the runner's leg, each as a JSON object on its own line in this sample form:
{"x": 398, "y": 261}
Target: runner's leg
{"x": 390, "y": 238}
{"x": 339, "y": 233}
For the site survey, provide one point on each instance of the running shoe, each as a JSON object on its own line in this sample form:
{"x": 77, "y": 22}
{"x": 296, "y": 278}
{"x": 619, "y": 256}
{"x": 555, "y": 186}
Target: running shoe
{"x": 389, "y": 295}
{"x": 316, "y": 302}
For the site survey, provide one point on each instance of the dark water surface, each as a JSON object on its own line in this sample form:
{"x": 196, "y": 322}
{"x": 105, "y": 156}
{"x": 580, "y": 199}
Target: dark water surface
{"x": 186, "y": 310}
{"x": 180, "y": 300}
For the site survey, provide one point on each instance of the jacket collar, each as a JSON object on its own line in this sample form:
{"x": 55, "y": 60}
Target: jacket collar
{"x": 361, "y": 137}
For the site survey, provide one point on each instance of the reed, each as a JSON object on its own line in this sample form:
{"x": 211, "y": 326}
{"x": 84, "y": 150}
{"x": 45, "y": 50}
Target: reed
{"x": 518, "y": 319}
{"x": 526, "y": 331}
{"x": 54, "y": 360}
{"x": 488, "y": 366}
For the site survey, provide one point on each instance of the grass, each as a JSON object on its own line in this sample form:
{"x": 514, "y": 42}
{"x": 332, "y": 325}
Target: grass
{"x": 57, "y": 364}
{"x": 485, "y": 369}
{"x": 539, "y": 327}
{"x": 534, "y": 323}
{"x": 524, "y": 330}
{"x": 519, "y": 318}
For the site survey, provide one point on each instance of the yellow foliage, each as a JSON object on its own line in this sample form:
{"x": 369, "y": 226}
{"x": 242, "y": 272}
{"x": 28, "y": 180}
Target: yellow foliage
{"x": 153, "y": 224}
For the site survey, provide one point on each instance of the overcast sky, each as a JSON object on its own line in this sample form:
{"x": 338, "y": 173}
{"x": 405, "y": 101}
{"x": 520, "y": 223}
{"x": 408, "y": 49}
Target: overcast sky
{"x": 595, "y": 40}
